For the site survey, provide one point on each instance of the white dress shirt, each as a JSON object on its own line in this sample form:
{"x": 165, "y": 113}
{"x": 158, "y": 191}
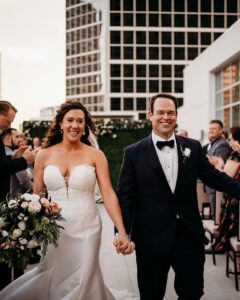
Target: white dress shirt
{"x": 168, "y": 158}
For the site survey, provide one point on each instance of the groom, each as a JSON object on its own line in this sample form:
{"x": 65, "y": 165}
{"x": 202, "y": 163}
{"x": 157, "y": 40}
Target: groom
{"x": 157, "y": 194}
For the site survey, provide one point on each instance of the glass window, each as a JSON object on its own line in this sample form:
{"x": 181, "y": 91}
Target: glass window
{"x": 235, "y": 93}
{"x": 205, "y": 21}
{"x": 179, "y": 20}
{"x": 166, "y": 71}
{"x": 205, "y": 6}
{"x": 128, "y": 19}
{"x": 218, "y": 21}
{"x": 192, "y": 38}
{"x": 153, "y": 52}
{"x": 141, "y": 70}
{"x": 217, "y": 35}
{"x": 128, "y": 52}
{"x": 128, "y": 103}
{"x": 153, "y": 86}
{"x": 166, "y": 5}
{"x": 128, "y": 86}
{"x": 166, "y": 53}
{"x": 232, "y": 6}
{"x": 115, "y": 86}
{"x": 166, "y": 20}
{"x": 153, "y": 20}
{"x": 192, "y": 5}
{"x": 128, "y": 70}
{"x": 192, "y": 53}
{"x": 142, "y": 116}
{"x": 231, "y": 20}
{"x": 153, "y": 37}
{"x": 153, "y": 70}
{"x": 218, "y": 5}
{"x": 141, "y": 86}
{"x": 226, "y": 77}
{"x": 128, "y": 5}
{"x": 180, "y": 101}
{"x": 192, "y": 20}
{"x": 179, "y": 70}
{"x": 153, "y": 5}
{"x": 235, "y": 115}
{"x": 115, "y": 71}
{"x": 141, "y": 52}
{"x": 235, "y": 72}
{"x": 128, "y": 37}
{"x": 179, "y": 5}
{"x": 141, "y": 103}
{"x": 205, "y": 38}
{"x": 141, "y": 5}
{"x": 141, "y": 20}
{"x": 179, "y": 53}
{"x": 178, "y": 86}
{"x": 115, "y": 5}
{"x": 226, "y": 97}
{"x": 141, "y": 37}
{"x": 166, "y": 38}
{"x": 115, "y": 104}
{"x": 226, "y": 118}
{"x": 115, "y": 37}
{"x": 179, "y": 38}
{"x": 115, "y": 52}
{"x": 167, "y": 86}
{"x": 115, "y": 19}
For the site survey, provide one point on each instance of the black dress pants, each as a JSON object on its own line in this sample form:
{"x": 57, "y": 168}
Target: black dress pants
{"x": 5, "y": 275}
{"x": 187, "y": 259}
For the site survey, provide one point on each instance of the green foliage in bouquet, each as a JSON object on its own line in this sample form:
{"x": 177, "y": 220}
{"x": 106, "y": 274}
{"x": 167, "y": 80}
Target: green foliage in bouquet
{"x": 27, "y": 222}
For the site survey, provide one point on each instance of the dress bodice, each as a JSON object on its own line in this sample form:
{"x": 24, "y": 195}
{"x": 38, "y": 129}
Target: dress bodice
{"x": 79, "y": 186}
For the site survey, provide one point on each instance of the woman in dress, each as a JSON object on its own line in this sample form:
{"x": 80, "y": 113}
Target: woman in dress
{"x": 229, "y": 222}
{"x": 67, "y": 169}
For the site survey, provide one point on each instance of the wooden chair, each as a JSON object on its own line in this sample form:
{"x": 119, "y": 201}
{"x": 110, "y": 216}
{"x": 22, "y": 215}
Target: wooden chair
{"x": 233, "y": 253}
{"x": 211, "y": 226}
{"x": 203, "y": 199}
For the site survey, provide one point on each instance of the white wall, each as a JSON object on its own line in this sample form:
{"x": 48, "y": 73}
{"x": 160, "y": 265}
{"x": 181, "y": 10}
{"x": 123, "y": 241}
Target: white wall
{"x": 199, "y": 82}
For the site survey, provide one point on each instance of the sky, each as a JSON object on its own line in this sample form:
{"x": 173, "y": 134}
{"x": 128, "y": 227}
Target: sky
{"x": 32, "y": 48}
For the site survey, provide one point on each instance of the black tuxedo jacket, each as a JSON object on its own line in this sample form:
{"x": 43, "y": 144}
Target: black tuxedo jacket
{"x": 8, "y": 166}
{"x": 148, "y": 205}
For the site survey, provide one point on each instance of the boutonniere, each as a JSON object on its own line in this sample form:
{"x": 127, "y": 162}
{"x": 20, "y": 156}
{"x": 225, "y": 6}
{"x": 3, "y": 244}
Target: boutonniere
{"x": 185, "y": 153}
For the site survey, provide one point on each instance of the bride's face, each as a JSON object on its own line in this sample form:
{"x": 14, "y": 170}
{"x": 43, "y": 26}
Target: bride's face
{"x": 73, "y": 125}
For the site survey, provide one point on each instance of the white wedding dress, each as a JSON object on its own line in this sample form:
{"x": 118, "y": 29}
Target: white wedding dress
{"x": 71, "y": 271}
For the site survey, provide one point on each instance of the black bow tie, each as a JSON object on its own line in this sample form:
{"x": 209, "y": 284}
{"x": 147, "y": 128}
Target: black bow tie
{"x": 161, "y": 144}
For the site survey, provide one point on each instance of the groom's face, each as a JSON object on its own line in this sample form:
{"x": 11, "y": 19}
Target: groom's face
{"x": 163, "y": 117}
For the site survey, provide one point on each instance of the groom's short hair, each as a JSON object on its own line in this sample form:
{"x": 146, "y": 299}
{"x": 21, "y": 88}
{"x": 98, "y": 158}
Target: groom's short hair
{"x": 161, "y": 95}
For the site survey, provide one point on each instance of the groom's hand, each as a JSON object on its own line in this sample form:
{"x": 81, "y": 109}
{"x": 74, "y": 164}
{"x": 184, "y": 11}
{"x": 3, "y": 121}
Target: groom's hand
{"x": 123, "y": 245}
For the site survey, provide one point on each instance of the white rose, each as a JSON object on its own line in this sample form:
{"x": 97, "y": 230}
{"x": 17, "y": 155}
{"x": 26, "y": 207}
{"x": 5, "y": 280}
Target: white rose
{"x": 24, "y": 205}
{"x": 34, "y": 207}
{"x": 20, "y": 216}
{"x": 22, "y": 225}
{"x": 32, "y": 244}
{"x": 26, "y": 196}
{"x": 12, "y": 203}
{"x": 4, "y": 233}
{"x": 187, "y": 151}
{"x": 16, "y": 233}
{"x": 23, "y": 241}
{"x": 2, "y": 222}
{"x": 35, "y": 197}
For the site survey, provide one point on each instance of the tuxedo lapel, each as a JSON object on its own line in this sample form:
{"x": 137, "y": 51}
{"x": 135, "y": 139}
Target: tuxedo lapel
{"x": 153, "y": 160}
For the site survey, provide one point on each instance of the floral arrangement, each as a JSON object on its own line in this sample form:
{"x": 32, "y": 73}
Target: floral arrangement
{"x": 27, "y": 222}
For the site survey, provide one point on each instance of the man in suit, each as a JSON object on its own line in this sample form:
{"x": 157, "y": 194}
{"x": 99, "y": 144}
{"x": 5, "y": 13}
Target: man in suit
{"x": 158, "y": 199}
{"x": 9, "y": 166}
{"x": 217, "y": 146}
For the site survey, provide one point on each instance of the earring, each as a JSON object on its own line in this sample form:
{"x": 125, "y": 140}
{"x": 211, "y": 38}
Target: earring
{"x": 61, "y": 130}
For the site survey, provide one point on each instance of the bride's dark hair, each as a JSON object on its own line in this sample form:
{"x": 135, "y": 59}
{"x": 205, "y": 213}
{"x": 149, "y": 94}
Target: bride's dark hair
{"x": 54, "y": 135}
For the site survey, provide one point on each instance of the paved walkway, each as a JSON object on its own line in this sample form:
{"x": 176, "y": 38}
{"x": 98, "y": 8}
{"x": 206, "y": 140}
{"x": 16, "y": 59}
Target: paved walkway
{"x": 120, "y": 271}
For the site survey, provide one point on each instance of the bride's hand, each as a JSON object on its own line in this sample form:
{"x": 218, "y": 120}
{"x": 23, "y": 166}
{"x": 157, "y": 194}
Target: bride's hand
{"x": 123, "y": 244}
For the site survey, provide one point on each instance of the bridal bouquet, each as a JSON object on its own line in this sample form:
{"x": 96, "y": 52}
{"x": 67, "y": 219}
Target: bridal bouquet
{"x": 26, "y": 222}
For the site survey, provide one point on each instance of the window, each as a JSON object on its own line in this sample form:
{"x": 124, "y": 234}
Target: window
{"x": 166, "y": 5}
{"x": 217, "y": 35}
{"x": 128, "y": 19}
{"x": 128, "y": 70}
{"x": 166, "y": 53}
{"x": 141, "y": 20}
{"x": 153, "y": 52}
{"x": 128, "y": 53}
{"x": 153, "y": 71}
{"x": 166, "y": 38}
{"x": 115, "y": 71}
{"x": 232, "y": 6}
{"x": 192, "y": 5}
{"x": 127, "y": 5}
{"x": 115, "y": 37}
{"x": 179, "y": 70}
{"x": 115, "y": 52}
{"x": 205, "y": 6}
{"x": 179, "y": 20}
{"x": 166, "y": 71}
{"x": 141, "y": 37}
{"x": 153, "y": 5}
{"x": 192, "y": 38}
{"x": 180, "y": 101}
{"x": 218, "y": 21}
{"x": 231, "y": 20}
{"x": 153, "y": 20}
{"x": 115, "y": 86}
{"x": 178, "y": 86}
{"x": 128, "y": 37}
{"x": 141, "y": 103}
{"x": 141, "y": 70}
{"x": 128, "y": 86}
{"x": 153, "y": 86}
{"x": 192, "y": 20}
{"x": 141, "y": 52}
{"x": 192, "y": 53}
{"x": 166, "y": 20}
{"x": 205, "y": 38}
{"x": 115, "y": 5}
{"x": 205, "y": 21}
{"x": 115, "y": 104}
{"x": 219, "y": 5}
{"x": 115, "y": 19}
{"x": 153, "y": 37}
{"x": 167, "y": 86}
{"x": 141, "y": 86}
{"x": 179, "y": 53}
{"x": 179, "y": 38}
{"x": 140, "y": 5}
{"x": 179, "y": 5}
{"x": 128, "y": 103}
{"x": 142, "y": 116}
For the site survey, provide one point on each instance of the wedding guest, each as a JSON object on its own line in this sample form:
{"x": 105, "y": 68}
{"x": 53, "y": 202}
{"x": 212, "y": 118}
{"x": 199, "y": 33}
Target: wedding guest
{"x": 9, "y": 165}
{"x": 218, "y": 146}
{"x": 37, "y": 144}
{"x": 182, "y": 132}
{"x": 158, "y": 198}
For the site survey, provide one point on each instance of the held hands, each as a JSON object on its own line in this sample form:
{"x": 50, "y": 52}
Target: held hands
{"x": 123, "y": 244}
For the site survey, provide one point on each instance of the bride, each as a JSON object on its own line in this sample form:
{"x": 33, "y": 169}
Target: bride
{"x": 67, "y": 168}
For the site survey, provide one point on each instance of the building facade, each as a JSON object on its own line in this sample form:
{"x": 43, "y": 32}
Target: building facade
{"x": 120, "y": 52}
